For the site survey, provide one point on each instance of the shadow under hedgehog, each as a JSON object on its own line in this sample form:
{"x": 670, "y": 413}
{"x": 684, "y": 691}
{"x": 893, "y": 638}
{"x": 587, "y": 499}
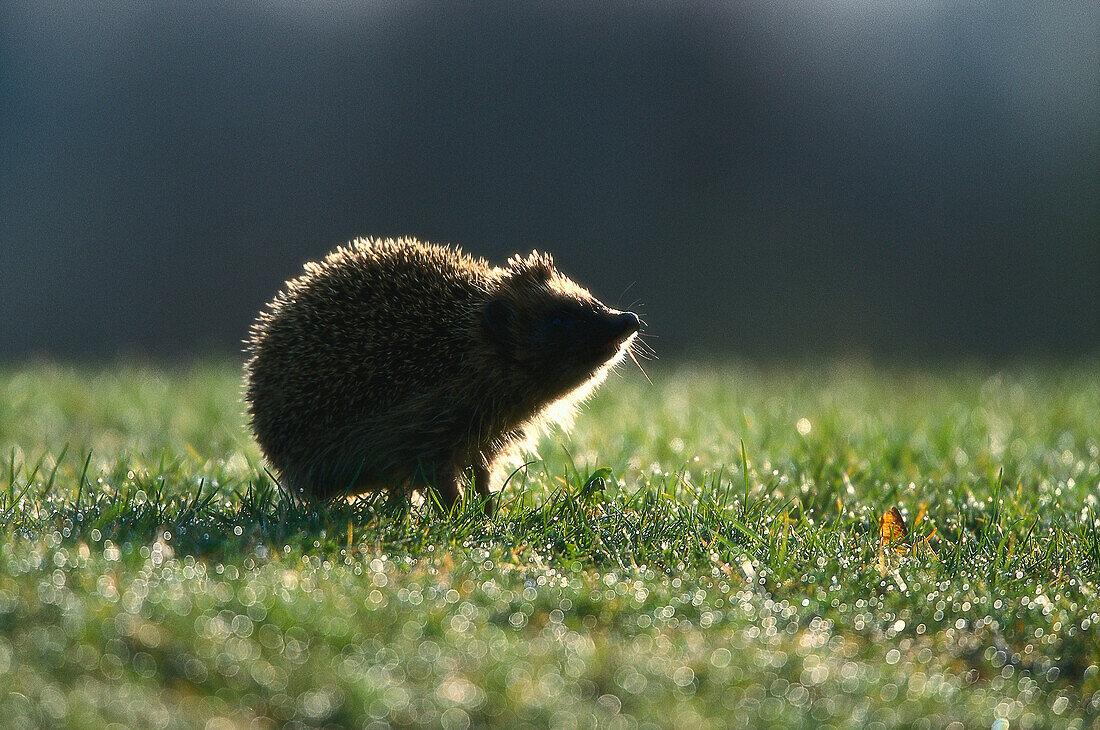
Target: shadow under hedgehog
{"x": 401, "y": 365}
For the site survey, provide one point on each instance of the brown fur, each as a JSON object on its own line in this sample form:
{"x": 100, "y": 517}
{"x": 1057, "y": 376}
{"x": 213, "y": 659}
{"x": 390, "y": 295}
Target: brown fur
{"x": 395, "y": 364}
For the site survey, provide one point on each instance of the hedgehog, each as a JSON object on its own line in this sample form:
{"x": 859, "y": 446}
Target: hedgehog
{"x": 402, "y": 366}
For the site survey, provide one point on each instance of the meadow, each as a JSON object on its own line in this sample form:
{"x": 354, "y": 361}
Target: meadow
{"x": 703, "y": 551}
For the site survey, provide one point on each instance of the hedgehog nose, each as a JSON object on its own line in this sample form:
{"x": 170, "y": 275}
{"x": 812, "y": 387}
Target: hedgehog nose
{"x": 626, "y": 324}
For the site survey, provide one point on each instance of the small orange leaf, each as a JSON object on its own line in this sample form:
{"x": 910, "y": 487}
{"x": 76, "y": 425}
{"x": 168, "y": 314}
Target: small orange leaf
{"x": 891, "y": 527}
{"x": 892, "y": 534}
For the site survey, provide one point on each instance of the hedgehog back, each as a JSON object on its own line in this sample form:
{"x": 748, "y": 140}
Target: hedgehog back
{"x": 366, "y": 350}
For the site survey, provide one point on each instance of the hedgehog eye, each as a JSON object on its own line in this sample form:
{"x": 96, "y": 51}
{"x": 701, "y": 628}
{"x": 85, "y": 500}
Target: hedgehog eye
{"x": 560, "y": 318}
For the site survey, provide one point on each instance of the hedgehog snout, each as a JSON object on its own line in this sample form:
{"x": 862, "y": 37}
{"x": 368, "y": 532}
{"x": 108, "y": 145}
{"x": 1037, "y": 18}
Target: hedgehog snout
{"x": 614, "y": 329}
{"x": 617, "y": 327}
{"x": 627, "y": 324}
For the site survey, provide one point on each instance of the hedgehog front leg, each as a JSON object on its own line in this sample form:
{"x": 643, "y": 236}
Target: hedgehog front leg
{"x": 441, "y": 479}
{"x": 482, "y": 473}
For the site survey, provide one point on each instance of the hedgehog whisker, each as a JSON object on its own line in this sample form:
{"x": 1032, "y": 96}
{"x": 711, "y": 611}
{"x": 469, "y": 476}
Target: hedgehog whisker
{"x": 630, "y": 352}
{"x": 620, "y": 297}
{"x": 645, "y": 349}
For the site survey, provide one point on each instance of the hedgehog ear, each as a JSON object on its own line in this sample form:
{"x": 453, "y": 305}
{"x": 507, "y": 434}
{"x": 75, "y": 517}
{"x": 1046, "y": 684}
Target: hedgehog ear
{"x": 498, "y": 316}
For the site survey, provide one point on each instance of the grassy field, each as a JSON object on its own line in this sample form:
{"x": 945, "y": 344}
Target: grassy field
{"x": 701, "y": 552}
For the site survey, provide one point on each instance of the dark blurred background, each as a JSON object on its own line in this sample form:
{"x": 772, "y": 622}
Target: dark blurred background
{"x": 767, "y": 178}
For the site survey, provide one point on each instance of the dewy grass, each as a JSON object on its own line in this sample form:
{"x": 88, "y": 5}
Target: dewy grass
{"x": 702, "y": 551}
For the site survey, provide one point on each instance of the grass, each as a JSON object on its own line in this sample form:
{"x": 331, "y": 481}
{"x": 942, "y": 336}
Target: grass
{"x": 700, "y": 552}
